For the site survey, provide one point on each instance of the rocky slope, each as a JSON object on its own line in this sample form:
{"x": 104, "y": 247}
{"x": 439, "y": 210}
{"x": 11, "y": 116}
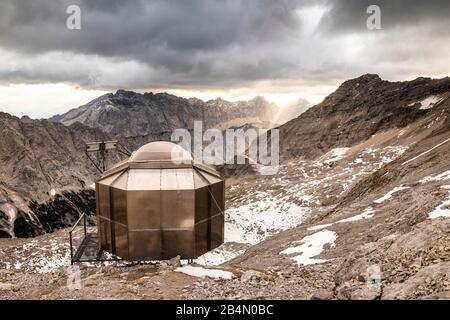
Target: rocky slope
{"x": 45, "y": 176}
{"x": 358, "y": 109}
{"x": 386, "y": 235}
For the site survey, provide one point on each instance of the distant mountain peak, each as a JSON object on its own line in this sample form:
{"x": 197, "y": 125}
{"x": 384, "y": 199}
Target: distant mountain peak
{"x": 364, "y": 80}
{"x": 130, "y": 114}
{"x": 369, "y": 77}
{"x": 126, "y": 93}
{"x": 259, "y": 99}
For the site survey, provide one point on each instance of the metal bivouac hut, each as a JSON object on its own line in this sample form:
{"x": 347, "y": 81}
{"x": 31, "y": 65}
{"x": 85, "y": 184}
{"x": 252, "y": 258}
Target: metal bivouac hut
{"x": 160, "y": 203}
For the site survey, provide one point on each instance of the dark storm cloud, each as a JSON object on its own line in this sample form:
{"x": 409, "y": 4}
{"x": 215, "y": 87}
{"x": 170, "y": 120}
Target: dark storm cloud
{"x": 184, "y": 38}
{"x": 164, "y": 33}
{"x": 196, "y": 42}
{"x": 350, "y": 15}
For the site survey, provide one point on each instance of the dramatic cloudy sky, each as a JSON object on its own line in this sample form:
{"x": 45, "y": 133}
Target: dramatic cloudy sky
{"x": 282, "y": 49}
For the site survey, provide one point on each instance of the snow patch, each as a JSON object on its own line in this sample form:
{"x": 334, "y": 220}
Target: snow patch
{"x": 320, "y": 227}
{"x": 366, "y": 214}
{"x": 402, "y": 132}
{"x": 217, "y": 257}
{"x": 201, "y": 272}
{"x": 443, "y": 176}
{"x": 426, "y": 152}
{"x": 12, "y": 213}
{"x": 389, "y": 195}
{"x": 50, "y": 264}
{"x": 254, "y": 222}
{"x": 312, "y": 246}
{"x": 430, "y": 102}
{"x": 443, "y": 210}
{"x": 38, "y": 257}
{"x": 335, "y": 155}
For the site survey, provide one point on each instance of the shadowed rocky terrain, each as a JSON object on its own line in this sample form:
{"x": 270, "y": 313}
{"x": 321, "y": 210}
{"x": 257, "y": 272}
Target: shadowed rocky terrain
{"x": 45, "y": 176}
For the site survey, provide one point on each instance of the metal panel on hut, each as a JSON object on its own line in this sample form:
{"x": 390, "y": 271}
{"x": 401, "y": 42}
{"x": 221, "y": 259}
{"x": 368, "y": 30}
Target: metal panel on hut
{"x": 159, "y": 204}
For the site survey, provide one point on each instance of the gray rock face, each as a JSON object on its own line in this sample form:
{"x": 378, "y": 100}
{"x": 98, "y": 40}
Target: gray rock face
{"x": 358, "y": 109}
{"x": 131, "y": 114}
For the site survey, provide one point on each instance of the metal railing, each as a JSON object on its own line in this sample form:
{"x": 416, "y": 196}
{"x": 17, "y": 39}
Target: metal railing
{"x": 83, "y": 218}
{"x": 86, "y": 244}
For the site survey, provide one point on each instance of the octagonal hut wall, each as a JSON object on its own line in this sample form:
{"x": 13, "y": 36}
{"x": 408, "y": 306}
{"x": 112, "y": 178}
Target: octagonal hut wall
{"x": 177, "y": 216}
{"x": 209, "y": 209}
{"x": 112, "y": 217}
{"x": 217, "y": 214}
{"x": 161, "y": 213}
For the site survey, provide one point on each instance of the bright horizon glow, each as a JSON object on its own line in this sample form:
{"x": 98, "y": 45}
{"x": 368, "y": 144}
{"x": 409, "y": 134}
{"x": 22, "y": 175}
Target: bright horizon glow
{"x": 46, "y": 100}
{"x": 280, "y": 99}
{"x": 43, "y": 100}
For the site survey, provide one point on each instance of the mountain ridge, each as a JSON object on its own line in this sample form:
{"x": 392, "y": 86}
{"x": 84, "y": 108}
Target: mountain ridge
{"x": 359, "y": 108}
{"x": 131, "y": 114}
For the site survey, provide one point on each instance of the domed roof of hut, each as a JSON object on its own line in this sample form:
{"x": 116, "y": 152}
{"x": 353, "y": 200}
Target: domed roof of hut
{"x": 160, "y": 165}
{"x": 161, "y": 151}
